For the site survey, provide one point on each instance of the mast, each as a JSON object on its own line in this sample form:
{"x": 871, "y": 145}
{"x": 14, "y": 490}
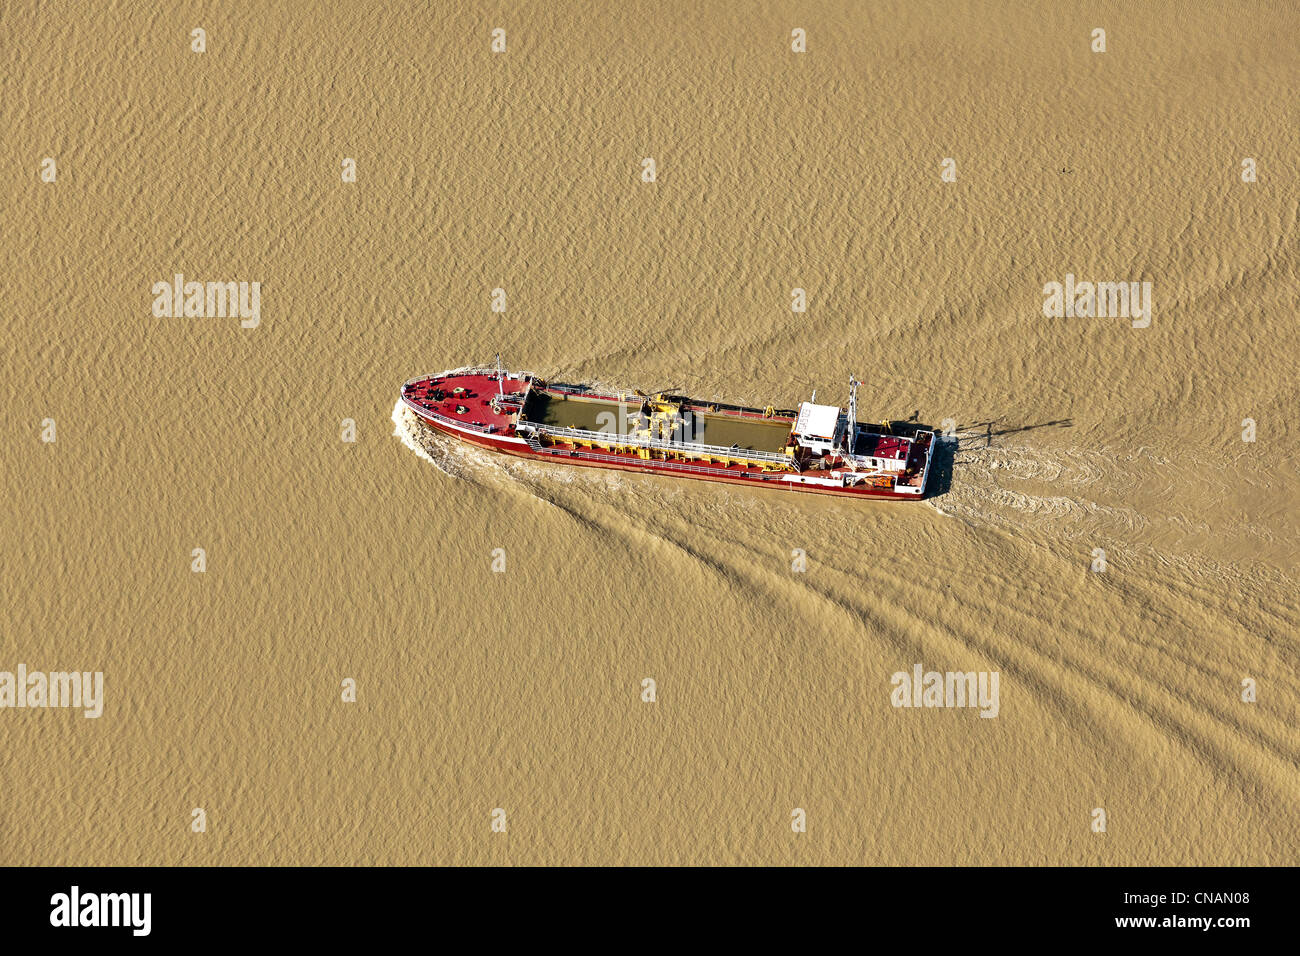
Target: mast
{"x": 853, "y": 412}
{"x": 500, "y": 391}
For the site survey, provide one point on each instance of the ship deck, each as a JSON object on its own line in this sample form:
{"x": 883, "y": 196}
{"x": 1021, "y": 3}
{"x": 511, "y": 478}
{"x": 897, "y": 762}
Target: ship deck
{"x": 879, "y": 444}
{"x": 748, "y": 431}
{"x": 466, "y": 399}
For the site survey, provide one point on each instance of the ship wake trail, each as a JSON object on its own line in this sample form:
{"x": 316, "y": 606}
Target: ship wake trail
{"x": 1111, "y": 492}
{"x": 466, "y": 463}
{"x": 1008, "y": 486}
{"x": 723, "y": 544}
{"x": 448, "y": 457}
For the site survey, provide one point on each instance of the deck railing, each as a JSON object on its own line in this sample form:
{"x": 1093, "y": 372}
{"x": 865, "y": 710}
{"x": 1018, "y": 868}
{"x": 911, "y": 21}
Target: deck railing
{"x": 622, "y": 460}
{"x": 483, "y": 370}
{"x": 430, "y": 413}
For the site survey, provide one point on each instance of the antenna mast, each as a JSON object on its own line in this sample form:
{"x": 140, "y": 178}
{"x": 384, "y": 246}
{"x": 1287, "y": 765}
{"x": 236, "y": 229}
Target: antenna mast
{"x": 853, "y": 412}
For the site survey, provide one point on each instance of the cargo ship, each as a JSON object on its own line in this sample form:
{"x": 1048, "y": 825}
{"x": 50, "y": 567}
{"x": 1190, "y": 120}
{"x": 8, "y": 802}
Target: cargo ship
{"x": 814, "y": 448}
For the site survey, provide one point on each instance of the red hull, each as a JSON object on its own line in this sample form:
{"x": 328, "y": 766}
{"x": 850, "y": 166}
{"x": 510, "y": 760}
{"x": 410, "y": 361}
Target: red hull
{"x": 773, "y": 482}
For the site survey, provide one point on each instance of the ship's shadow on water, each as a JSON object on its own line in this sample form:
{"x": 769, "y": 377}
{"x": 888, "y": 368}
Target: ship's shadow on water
{"x": 966, "y": 438}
